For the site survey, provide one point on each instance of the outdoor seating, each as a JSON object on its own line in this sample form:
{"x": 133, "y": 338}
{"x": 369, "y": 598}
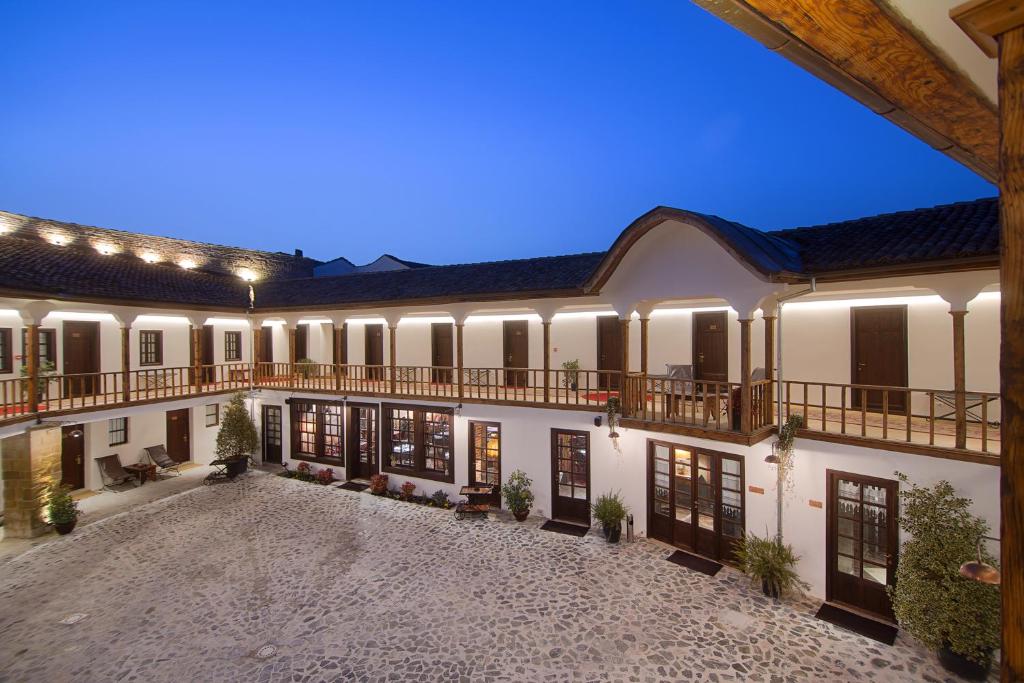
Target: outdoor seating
{"x": 160, "y": 458}
{"x": 112, "y": 473}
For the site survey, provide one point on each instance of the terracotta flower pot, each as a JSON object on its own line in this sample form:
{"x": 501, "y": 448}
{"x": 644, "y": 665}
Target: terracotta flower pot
{"x": 521, "y": 515}
{"x": 65, "y": 528}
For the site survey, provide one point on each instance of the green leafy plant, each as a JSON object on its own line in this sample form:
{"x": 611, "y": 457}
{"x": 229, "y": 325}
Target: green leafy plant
{"x": 612, "y": 409}
{"x": 237, "y": 437}
{"x": 931, "y": 600}
{"x": 572, "y": 372}
{"x": 516, "y": 492}
{"x": 609, "y": 509}
{"x": 440, "y": 499}
{"x": 305, "y": 367}
{"x": 769, "y": 561}
{"x": 62, "y": 508}
{"x": 47, "y": 368}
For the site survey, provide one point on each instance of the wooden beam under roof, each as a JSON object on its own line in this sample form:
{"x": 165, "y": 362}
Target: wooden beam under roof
{"x": 867, "y": 51}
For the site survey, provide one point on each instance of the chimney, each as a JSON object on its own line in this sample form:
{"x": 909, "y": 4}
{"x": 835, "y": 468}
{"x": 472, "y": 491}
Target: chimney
{"x": 298, "y": 253}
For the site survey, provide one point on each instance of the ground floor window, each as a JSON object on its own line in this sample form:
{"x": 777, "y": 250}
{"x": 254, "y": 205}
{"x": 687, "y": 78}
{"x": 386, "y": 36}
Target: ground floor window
{"x": 213, "y": 415}
{"x": 117, "y": 431}
{"x": 318, "y": 429}
{"x": 418, "y": 442}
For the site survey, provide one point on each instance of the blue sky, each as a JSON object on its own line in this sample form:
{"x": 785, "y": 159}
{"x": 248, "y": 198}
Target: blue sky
{"x": 443, "y": 132}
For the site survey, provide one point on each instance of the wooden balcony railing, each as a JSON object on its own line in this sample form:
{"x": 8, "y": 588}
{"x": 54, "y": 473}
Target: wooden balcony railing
{"x": 708, "y": 405}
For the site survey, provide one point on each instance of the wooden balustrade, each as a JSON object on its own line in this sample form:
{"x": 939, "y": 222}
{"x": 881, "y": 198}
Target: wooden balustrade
{"x": 710, "y": 405}
{"x": 14, "y": 399}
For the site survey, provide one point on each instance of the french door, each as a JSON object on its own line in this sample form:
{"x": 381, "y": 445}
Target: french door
{"x": 570, "y": 473}
{"x": 862, "y": 543}
{"x": 363, "y": 438}
{"x": 272, "y": 433}
{"x": 485, "y": 457}
{"x": 695, "y": 499}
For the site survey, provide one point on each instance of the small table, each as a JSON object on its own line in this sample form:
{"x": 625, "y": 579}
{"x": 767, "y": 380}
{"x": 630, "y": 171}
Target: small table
{"x": 145, "y": 472}
{"x": 477, "y": 501}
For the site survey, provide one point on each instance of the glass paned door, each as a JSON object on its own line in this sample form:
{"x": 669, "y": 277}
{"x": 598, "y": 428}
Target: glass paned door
{"x": 570, "y": 465}
{"x": 363, "y": 435}
{"x": 659, "y": 493}
{"x": 485, "y": 457}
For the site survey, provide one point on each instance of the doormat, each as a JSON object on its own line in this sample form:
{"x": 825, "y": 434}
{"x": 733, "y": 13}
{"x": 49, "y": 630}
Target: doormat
{"x": 353, "y": 486}
{"x": 565, "y": 528}
{"x": 869, "y": 628}
{"x": 697, "y": 564}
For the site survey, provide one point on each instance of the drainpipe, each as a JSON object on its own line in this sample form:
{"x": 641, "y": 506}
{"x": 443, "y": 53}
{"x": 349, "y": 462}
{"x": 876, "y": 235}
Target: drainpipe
{"x": 778, "y": 388}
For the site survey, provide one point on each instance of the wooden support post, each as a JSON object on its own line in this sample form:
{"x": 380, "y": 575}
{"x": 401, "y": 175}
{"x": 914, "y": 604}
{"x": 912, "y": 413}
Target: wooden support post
{"x": 32, "y": 367}
{"x": 257, "y": 345}
{"x": 197, "y": 356}
{"x": 392, "y": 347}
{"x": 959, "y": 379}
{"x": 643, "y": 345}
{"x": 458, "y": 356}
{"x": 292, "y": 332}
{"x": 546, "y": 326}
{"x": 624, "y": 371}
{"x": 336, "y": 354}
{"x": 769, "y": 367}
{"x": 126, "y": 331}
{"x": 745, "y": 402}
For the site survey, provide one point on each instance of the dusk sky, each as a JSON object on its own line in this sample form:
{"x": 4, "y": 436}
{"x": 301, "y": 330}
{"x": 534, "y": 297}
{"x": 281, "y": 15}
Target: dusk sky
{"x": 442, "y": 132}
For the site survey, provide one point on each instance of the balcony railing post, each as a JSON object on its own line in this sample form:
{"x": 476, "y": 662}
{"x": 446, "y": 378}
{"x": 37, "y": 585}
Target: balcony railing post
{"x": 745, "y": 396}
{"x": 125, "y": 363}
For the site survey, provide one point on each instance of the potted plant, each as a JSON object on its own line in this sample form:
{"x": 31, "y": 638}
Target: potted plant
{"x": 379, "y": 484}
{"x": 771, "y": 562}
{"x": 237, "y": 437}
{"x": 956, "y": 616}
{"x": 612, "y": 408}
{"x": 610, "y": 511}
{"x": 517, "y": 494}
{"x": 570, "y": 378}
{"x": 62, "y": 509}
{"x": 406, "y": 490}
{"x": 47, "y": 368}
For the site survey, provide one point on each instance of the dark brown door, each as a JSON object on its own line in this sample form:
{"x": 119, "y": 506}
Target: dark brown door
{"x": 363, "y": 437}
{"x": 862, "y": 543}
{"x": 609, "y": 351}
{"x": 72, "y": 456}
{"x": 206, "y": 348}
{"x": 711, "y": 346}
{"x": 695, "y": 499}
{"x": 81, "y": 357}
{"x": 177, "y": 435}
{"x": 516, "y": 350}
{"x": 374, "y": 351}
{"x": 272, "y": 434}
{"x": 301, "y": 342}
{"x": 485, "y": 457}
{"x": 879, "y": 349}
{"x": 442, "y": 352}
{"x": 570, "y": 475}
{"x": 267, "y": 345}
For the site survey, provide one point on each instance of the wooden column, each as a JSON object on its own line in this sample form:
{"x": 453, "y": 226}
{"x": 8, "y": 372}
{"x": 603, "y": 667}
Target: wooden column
{"x": 126, "y": 332}
{"x": 197, "y": 356}
{"x": 257, "y": 344}
{"x": 291, "y": 348}
{"x": 959, "y": 379}
{"x": 769, "y": 366}
{"x": 392, "y": 330}
{"x": 336, "y": 354}
{"x": 624, "y": 372}
{"x": 458, "y": 356}
{"x": 32, "y": 367}
{"x": 745, "y": 413}
{"x": 643, "y": 345}
{"x": 546, "y": 326}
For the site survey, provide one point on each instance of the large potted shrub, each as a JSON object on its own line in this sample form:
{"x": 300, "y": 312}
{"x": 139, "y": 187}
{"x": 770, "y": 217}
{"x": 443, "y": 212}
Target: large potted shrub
{"x": 237, "y": 438}
{"x": 771, "y": 562}
{"x": 571, "y": 374}
{"x": 62, "y": 509}
{"x": 956, "y": 616}
{"x": 517, "y": 494}
{"x": 610, "y": 511}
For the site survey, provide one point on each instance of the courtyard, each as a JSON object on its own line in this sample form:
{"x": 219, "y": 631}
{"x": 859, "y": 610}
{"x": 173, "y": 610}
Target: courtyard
{"x": 268, "y": 579}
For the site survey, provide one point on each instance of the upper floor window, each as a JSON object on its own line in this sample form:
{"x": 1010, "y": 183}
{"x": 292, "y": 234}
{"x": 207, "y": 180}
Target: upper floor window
{"x": 232, "y": 346}
{"x": 6, "y": 355}
{"x": 47, "y": 347}
{"x": 151, "y": 347}
{"x": 418, "y": 442}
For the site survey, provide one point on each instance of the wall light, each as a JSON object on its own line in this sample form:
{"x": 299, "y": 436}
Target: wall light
{"x": 150, "y": 257}
{"x": 247, "y": 274}
{"x": 187, "y": 263}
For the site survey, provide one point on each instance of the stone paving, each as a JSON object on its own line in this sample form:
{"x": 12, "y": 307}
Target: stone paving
{"x": 344, "y": 585}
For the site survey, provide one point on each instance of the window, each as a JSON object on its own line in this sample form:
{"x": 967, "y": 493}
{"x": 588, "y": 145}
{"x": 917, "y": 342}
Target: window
{"x": 6, "y": 356}
{"x": 117, "y": 431}
{"x": 47, "y": 347}
{"x": 232, "y": 346}
{"x": 418, "y": 442}
{"x": 318, "y": 430}
{"x": 213, "y": 415}
{"x": 151, "y": 347}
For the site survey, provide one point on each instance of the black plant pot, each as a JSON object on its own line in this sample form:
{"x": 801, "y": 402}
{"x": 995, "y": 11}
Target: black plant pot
{"x": 606, "y": 529}
{"x": 237, "y": 466}
{"x": 521, "y": 515}
{"x": 770, "y": 589}
{"x": 65, "y": 528}
{"x": 615, "y": 533}
{"x": 573, "y": 386}
{"x": 963, "y": 667}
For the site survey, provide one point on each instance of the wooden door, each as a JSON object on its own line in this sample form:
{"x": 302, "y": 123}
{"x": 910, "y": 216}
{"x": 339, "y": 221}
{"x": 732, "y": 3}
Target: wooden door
{"x": 485, "y": 457}
{"x": 879, "y": 355}
{"x": 363, "y": 437}
{"x": 862, "y": 542}
{"x": 516, "y": 352}
{"x": 711, "y": 346}
{"x": 267, "y": 344}
{"x": 206, "y": 354}
{"x": 609, "y": 351}
{"x": 374, "y": 351}
{"x": 72, "y": 456}
{"x": 177, "y": 435}
{"x": 81, "y": 357}
{"x": 570, "y": 476}
{"x": 442, "y": 352}
{"x": 272, "y": 433}
{"x": 301, "y": 342}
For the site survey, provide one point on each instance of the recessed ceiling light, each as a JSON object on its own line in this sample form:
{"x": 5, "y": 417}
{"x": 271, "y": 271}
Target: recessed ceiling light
{"x": 187, "y": 263}
{"x": 58, "y": 240}
{"x": 150, "y": 257}
{"x": 105, "y": 249}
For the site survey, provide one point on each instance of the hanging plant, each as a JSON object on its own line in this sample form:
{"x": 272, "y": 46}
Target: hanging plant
{"x": 612, "y": 409}
{"x": 785, "y": 443}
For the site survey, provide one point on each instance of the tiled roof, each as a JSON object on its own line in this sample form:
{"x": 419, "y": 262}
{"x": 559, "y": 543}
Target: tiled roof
{"x": 951, "y": 231}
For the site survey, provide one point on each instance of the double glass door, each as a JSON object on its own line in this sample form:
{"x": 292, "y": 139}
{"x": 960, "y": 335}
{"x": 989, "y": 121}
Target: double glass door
{"x": 695, "y": 499}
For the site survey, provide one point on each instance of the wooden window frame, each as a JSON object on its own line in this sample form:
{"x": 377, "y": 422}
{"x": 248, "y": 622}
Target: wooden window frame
{"x": 47, "y": 343}
{"x": 419, "y": 453}
{"x": 6, "y": 352}
{"x": 216, "y": 414}
{"x": 111, "y": 431}
{"x": 237, "y": 355}
{"x": 158, "y": 347}
{"x": 320, "y": 431}
{"x": 471, "y": 451}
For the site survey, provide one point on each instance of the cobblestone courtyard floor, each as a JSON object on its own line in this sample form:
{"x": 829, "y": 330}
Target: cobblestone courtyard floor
{"x": 344, "y": 585}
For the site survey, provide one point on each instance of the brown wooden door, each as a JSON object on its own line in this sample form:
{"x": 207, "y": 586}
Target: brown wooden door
{"x": 442, "y": 352}
{"x": 862, "y": 542}
{"x": 272, "y": 433}
{"x": 206, "y": 354}
{"x": 267, "y": 344}
{"x": 177, "y": 435}
{"x": 81, "y": 357}
{"x": 609, "y": 351}
{"x": 516, "y": 351}
{"x": 485, "y": 457}
{"x": 301, "y": 342}
{"x": 879, "y": 349}
{"x": 363, "y": 437}
{"x": 374, "y": 351}
{"x": 72, "y": 456}
{"x": 570, "y": 476}
{"x": 711, "y": 346}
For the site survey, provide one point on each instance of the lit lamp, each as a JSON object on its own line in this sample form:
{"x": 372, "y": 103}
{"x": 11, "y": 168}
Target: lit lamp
{"x": 772, "y": 458}
{"x": 979, "y": 571}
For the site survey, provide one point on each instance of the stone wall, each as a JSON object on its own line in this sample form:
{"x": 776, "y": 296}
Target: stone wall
{"x": 31, "y": 464}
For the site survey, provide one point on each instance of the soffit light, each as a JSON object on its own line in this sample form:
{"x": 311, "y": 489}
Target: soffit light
{"x": 150, "y": 257}
{"x": 58, "y": 240}
{"x": 106, "y": 249}
{"x": 187, "y": 263}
